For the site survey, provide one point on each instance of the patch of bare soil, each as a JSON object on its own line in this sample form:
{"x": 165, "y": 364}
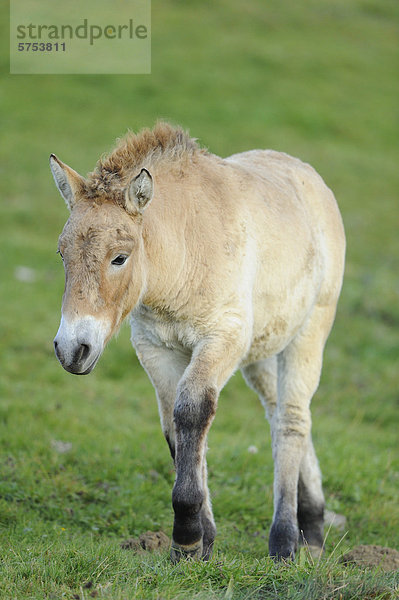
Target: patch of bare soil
{"x": 373, "y": 556}
{"x": 150, "y": 541}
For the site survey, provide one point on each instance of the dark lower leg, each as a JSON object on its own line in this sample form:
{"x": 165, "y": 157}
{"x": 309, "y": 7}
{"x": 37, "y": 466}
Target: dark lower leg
{"x": 310, "y": 517}
{"x": 206, "y": 515}
{"x": 283, "y": 538}
{"x": 310, "y": 500}
{"x": 193, "y": 416}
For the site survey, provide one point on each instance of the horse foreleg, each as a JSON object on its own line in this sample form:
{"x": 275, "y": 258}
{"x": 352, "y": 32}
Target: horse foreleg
{"x": 211, "y": 365}
{"x": 193, "y": 415}
{"x": 207, "y": 520}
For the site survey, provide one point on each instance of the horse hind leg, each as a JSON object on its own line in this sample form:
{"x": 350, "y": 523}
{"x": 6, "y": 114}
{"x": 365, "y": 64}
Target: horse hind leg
{"x": 310, "y": 511}
{"x": 297, "y": 485}
{"x": 261, "y": 377}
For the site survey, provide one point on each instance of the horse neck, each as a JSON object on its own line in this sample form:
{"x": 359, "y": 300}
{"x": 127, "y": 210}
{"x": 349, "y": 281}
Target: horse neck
{"x": 166, "y": 257}
{"x": 179, "y": 232}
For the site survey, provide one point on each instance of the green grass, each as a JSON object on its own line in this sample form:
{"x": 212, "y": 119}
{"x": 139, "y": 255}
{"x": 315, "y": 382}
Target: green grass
{"x": 316, "y": 79}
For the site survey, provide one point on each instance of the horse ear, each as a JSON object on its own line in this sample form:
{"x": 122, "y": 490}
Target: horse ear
{"x": 139, "y": 192}
{"x": 68, "y": 181}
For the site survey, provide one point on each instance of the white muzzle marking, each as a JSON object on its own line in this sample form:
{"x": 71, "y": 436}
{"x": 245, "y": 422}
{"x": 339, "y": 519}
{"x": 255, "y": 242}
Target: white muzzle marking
{"x": 79, "y": 343}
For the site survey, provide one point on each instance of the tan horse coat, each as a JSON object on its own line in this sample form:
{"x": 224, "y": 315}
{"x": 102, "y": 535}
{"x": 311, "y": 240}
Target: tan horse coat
{"x": 227, "y": 263}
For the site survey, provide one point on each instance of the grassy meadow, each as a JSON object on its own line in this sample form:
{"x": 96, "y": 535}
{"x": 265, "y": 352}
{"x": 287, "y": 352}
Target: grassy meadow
{"x": 83, "y": 464}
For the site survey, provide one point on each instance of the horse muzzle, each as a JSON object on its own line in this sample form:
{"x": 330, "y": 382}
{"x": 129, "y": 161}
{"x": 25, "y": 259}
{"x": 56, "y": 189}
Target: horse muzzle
{"x": 79, "y": 343}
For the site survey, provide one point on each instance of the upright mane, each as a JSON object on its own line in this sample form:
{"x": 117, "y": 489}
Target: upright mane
{"x": 164, "y": 143}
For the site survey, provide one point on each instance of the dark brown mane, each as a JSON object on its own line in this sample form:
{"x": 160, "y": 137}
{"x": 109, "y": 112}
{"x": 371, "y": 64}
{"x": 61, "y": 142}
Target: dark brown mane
{"x": 164, "y": 143}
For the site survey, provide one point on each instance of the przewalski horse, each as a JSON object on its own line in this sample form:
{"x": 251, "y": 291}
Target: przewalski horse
{"x": 222, "y": 264}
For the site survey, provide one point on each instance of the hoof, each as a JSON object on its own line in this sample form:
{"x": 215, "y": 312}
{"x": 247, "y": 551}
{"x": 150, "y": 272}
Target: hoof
{"x": 179, "y": 552}
{"x": 283, "y": 541}
{"x": 284, "y": 554}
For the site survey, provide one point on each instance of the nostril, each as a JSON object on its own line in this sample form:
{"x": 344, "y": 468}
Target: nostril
{"x": 85, "y": 351}
{"x": 82, "y": 353}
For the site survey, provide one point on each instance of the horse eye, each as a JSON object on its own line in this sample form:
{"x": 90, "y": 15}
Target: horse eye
{"x": 119, "y": 260}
